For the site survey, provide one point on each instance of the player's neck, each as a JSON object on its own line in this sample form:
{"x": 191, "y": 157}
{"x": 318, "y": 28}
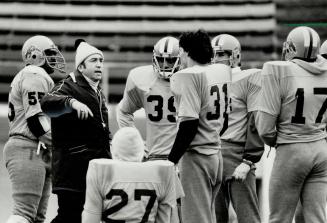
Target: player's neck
{"x": 191, "y": 63}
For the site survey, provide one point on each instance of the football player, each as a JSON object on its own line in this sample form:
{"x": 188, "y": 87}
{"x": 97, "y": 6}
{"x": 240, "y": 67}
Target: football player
{"x": 127, "y": 190}
{"x": 201, "y": 93}
{"x": 27, "y": 160}
{"x": 323, "y": 49}
{"x": 238, "y": 158}
{"x": 148, "y": 87}
{"x": 291, "y": 117}
{"x": 299, "y": 212}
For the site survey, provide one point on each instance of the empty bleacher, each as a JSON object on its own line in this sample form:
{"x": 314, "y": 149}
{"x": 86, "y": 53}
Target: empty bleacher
{"x": 290, "y": 14}
{"x": 126, "y": 30}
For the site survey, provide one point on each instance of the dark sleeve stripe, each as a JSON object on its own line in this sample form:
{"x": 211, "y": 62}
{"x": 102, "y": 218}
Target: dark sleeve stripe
{"x": 35, "y": 126}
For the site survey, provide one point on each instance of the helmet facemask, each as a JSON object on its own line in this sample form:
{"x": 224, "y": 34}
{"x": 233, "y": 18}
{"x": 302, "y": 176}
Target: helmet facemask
{"x": 301, "y": 43}
{"x": 42, "y": 52}
{"x": 323, "y": 49}
{"x": 232, "y": 56}
{"x": 289, "y": 50}
{"x": 55, "y": 59}
{"x": 166, "y": 57}
{"x": 166, "y": 65}
{"x": 227, "y": 50}
{"x": 221, "y": 56}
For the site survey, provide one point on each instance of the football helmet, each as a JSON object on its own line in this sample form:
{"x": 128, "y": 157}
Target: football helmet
{"x": 166, "y": 57}
{"x": 40, "y": 50}
{"x": 225, "y": 43}
{"x": 323, "y": 49}
{"x": 301, "y": 43}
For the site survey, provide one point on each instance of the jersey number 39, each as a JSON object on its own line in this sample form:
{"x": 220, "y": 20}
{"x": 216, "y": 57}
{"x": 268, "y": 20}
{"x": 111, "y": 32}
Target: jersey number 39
{"x": 160, "y": 110}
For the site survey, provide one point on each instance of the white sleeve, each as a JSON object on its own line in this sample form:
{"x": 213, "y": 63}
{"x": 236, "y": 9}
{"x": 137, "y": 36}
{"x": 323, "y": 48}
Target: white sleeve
{"x": 164, "y": 213}
{"x": 266, "y": 126}
{"x": 167, "y": 208}
{"x": 93, "y": 200}
{"x": 253, "y": 95}
{"x": 90, "y": 218}
{"x": 131, "y": 102}
{"x": 124, "y": 119}
{"x": 270, "y": 94}
{"x": 185, "y": 88}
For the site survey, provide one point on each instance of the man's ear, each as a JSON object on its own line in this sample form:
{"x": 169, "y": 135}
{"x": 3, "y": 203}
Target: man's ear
{"x": 81, "y": 67}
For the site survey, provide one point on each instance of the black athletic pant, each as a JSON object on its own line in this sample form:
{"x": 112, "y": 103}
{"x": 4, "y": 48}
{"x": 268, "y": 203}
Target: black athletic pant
{"x": 70, "y": 207}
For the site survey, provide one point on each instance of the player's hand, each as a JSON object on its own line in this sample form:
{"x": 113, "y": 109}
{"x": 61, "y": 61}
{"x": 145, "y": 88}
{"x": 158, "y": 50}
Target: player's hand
{"x": 46, "y": 139}
{"x": 241, "y": 172}
{"x": 83, "y": 112}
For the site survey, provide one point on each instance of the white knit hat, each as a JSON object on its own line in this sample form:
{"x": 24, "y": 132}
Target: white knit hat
{"x": 128, "y": 145}
{"x": 83, "y": 51}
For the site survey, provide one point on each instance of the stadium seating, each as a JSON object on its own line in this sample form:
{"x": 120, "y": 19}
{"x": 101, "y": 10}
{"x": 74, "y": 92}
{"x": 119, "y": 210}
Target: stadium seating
{"x": 290, "y": 14}
{"x": 126, "y": 30}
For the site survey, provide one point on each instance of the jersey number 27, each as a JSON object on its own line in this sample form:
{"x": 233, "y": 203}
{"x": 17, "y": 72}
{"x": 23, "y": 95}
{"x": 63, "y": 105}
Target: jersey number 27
{"x": 138, "y": 193}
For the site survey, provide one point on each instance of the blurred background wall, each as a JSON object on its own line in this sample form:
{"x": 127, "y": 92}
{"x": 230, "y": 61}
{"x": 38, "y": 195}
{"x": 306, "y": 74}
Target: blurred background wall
{"x": 126, "y": 30}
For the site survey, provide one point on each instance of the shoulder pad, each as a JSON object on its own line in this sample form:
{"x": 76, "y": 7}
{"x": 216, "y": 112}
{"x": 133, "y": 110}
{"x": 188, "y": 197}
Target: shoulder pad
{"x": 278, "y": 63}
{"x": 151, "y": 171}
{"x": 35, "y": 70}
{"x": 194, "y": 69}
{"x": 143, "y": 76}
{"x": 277, "y": 68}
{"x": 224, "y": 72}
{"x": 245, "y": 73}
{"x": 111, "y": 162}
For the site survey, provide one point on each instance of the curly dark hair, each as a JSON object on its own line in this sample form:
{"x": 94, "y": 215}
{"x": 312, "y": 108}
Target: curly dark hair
{"x": 198, "y": 45}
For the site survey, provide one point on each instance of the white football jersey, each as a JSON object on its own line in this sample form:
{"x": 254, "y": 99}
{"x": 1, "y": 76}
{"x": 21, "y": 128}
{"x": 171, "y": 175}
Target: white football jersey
{"x": 144, "y": 89}
{"x": 201, "y": 92}
{"x": 132, "y": 192}
{"x": 244, "y": 91}
{"x": 26, "y": 90}
{"x": 296, "y": 93}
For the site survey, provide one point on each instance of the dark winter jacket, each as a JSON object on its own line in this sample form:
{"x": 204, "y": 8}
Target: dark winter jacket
{"x": 75, "y": 141}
